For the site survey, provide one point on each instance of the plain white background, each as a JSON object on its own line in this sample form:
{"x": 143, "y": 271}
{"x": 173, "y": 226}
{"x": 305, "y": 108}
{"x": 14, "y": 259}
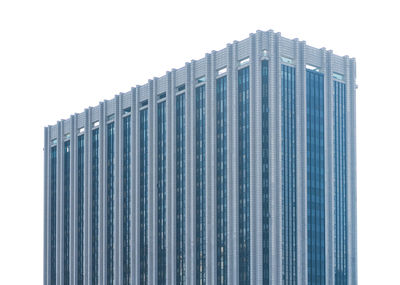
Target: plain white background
{"x": 58, "y": 57}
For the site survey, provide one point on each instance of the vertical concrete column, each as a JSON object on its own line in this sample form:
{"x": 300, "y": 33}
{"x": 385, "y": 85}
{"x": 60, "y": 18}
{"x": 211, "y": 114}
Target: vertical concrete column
{"x": 329, "y": 168}
{"x": 135, "y": 185}
{"x": 117, "y": 192}
{"x": 210, "y": 169}
{"x": 301, "y": 161}
{"x": 103, "y": 194}
{"x": 168, "y": 180}
{"x": 133, "y": 188}
{"x": 87, "y": 197}
{"x": 172, "y": 174}
{"x": 191, "y": 167}
{"x": 275, "y": 139}
{"x": 256, "y": 226}
{"x": 154, "y": 178}
{"x": 46, "y": 182}
{"x": 73, "y": 207}
{"x": 188, "y": 177}
{"x": 232, "y": 271}
{"x": 350, "y": 76}
{"x": 60, "y": 199}
{"x": 233, "y": 124}
{"x": 152, "y": 189}
{"x": 212, "y": 199}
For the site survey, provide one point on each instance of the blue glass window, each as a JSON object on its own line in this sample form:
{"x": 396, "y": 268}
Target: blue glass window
{"x": 221, "y": 177}
{"x": 143, "y": 196}
{"x": 67, "y": 164}
{"x": 244, "y": 175}
{"x": 161, "y": 190}
{"x": 315, "y": 177}
{"x": 110, "y": 204}
{"x": 53, "y": 213}
{"x": 265, "y": 169}
{"x": 95, "y": 206}
{"x": 126, "y": 200}
{"x": 288, "y": 81}
{"x": 200, "y": 187}
{"x": 341, "y": 223}
{"x": 180, "y": 189}
{"x": 80, "y": 208}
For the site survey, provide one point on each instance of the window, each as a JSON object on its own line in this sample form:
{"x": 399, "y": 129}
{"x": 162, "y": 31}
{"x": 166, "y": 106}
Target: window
{"x": 162, "y": 96}
{"x": 312, "y": 67}
{"x": 180, "y": 88}
{"x": 315, "y": 177}
{"x": 244, "y": 61}
{"x": 243, "y": 174}
{"x": 338, "y": 76}
{"x": 286, "y": 60}
{"x": 110, "y": 117}
{"x": 222, "y": 70}
{"x": 126, "y": 111}
{"x": 201, "y": 79}
{"x": 264, "y": 52}
{"x": 143, "y": 103}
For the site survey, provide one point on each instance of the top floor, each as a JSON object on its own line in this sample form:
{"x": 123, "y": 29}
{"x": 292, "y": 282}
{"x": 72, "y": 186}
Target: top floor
{"x": 261, "y": 45}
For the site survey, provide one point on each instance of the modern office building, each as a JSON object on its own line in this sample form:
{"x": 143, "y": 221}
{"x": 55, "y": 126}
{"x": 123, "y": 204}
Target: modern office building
{"x": 238, "y": 168}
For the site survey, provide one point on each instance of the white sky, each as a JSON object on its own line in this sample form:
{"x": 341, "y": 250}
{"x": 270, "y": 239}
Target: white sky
{"x": 58, "y": 57}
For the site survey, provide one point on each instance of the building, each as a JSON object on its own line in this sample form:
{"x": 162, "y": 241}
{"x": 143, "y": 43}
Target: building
{"x": 238, "y": 168}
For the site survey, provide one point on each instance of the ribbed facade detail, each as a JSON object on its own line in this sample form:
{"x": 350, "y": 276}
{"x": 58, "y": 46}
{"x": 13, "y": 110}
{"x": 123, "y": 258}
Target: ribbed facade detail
{"x": 238, "y": 168}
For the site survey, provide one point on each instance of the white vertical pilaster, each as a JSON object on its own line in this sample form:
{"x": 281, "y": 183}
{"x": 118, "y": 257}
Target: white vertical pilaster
{"x": 191, "y": 167}
{"x": 152, "y": 185}
{"x": 102, "y": 194}
{"x": 134, "y": 240}
{"x": 172, "y": 175}
{"x": 351, "y": 164}
{"x": 118, "y": 192}
{"x": 188, "y": 171}
{"x": 46, "y": 220}
{"x": 301, "y": 161}
{"x": 73, "y": 202}
{"x": 256, "y": 195}
{"x": 87, "y": 245}
{"x": 329, "y": 170}
{"x": 136, "y": 186}
{"x": 60, "y": 199}
{"x": 154, "y": 166}
{"x": 275, "y": 139}
{"x": 169, "y": 150}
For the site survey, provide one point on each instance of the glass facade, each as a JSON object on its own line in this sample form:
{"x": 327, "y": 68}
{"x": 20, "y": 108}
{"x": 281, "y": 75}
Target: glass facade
{"x": 315, "y": 177}
{"x": 265, "y": 170}
{"x": 80, "y": 208}
{"x": 118, "y": 207}
{"x": 161, "y": 193}
{"x": 289, "y": 243}
{"x": 110, "y": 204}
{"x": 143, "y": 196}
{"x": 221, "y": 186}
{"x": 244, "y": 174}
{"x": 341, "y": 223}
{"x": 95, "y": 206}
{"x": 200, "y": 186}
{"x": 53, "y": 215}
{"x": 66, "y": 187}
{"x": 126, "y": 200}
{"x": 180, "y": 190}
